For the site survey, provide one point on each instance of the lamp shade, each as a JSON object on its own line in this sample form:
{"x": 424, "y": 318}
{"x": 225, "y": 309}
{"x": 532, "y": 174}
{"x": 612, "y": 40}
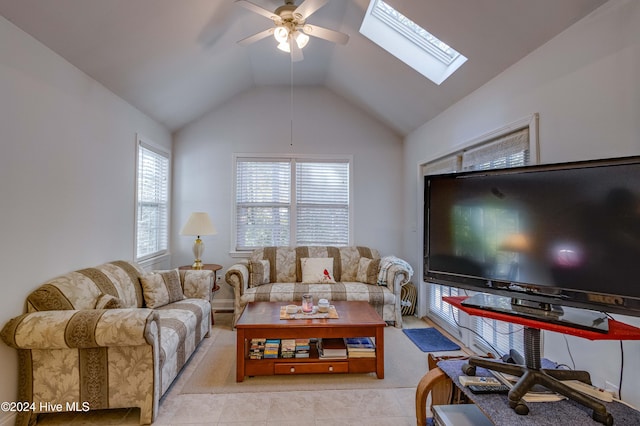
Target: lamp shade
{"x": 198, "y": 224}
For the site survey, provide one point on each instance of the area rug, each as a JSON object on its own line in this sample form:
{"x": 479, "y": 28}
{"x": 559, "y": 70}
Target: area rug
{"x": 430, "y": 340}
{"x": 215, "y": 371}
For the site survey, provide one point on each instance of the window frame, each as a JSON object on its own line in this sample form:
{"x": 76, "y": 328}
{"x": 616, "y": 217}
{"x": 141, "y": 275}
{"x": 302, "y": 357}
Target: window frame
{"x": 293, "y": 159}
{"x": 144, "y": 143}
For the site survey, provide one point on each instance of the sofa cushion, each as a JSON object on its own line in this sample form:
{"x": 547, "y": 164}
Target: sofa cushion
{"x": 161, "y": 288}
{"x": 183, "y": 324}
{"x": 317, "y": 270}
{"x": 259, "y": 272}
{"x": 292, "y": 292}
{"x": 368, "y": 270}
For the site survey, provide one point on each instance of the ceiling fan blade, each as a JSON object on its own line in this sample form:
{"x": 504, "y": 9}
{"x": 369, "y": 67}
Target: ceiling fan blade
{"x": 296, "y": 52}
{"x": 256, "y": 37}
{"x": 307, "y": 8}
{"x": 258, "y": 9}
{"x": 325, "y": 33}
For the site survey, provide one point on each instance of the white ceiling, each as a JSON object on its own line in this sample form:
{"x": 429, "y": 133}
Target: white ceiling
{"x": 175, "y": 60}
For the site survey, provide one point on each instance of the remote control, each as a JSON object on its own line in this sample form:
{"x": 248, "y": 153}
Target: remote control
{"x": 489, "y": 389}
{"x": 590, "y": 390}
{"x": 478, "y": 381}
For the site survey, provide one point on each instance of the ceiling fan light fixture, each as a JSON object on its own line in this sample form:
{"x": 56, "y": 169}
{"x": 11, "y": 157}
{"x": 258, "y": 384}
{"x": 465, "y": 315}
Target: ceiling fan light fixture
{"x": 281, "y": 34}
{"x": 301, "y": 39}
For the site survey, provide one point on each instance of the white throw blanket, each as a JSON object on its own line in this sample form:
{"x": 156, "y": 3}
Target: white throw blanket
{"x": 389, "y": 261}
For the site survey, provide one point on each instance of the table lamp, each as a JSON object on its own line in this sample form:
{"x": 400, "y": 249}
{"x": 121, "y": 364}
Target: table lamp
{"x": 198, "y": 224}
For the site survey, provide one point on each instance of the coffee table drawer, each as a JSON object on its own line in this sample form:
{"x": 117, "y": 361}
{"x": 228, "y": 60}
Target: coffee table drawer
{"x": 315, "y": 367}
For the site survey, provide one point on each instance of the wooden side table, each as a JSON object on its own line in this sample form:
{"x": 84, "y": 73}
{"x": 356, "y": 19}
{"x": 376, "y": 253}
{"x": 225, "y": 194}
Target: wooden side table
{"x": 208, "y": 267}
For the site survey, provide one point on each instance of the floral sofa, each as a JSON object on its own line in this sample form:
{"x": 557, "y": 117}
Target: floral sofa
{"x": 284, "y": 274}
{"x": 110, "y": 336}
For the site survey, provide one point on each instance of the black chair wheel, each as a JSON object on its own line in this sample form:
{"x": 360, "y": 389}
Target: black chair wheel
{"x": 604, "y": 418}
{"x": 521, "y": 409}
{"x": 469, "y": 370}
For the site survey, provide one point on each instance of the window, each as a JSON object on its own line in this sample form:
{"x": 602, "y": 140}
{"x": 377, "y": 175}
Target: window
{"x": 506, "y": 148}
{"x": 409, "y": 42}
{"x": 152, "y": 202}
{"x": 291, "y": 201}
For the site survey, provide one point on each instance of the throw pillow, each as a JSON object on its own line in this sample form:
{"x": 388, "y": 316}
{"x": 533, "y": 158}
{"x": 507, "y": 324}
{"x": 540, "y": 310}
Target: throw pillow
{"x": 368, "y": 270}
{"x": 259, "y": 273}
{"x": 107, "y": 301}
{"x": 161, "y": 288}
{"x": 317, "y": 270}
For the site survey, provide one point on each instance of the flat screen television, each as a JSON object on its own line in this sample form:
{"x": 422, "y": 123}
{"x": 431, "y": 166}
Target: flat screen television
{"x": 556, "y": 242}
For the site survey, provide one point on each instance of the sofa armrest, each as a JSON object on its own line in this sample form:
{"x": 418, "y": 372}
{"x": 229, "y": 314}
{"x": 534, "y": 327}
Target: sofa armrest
{"x": 86, "y": 328}
{"x": 397, "y": 276}
{"x": 238, "y": 277}
{"x": 197, "y": 284}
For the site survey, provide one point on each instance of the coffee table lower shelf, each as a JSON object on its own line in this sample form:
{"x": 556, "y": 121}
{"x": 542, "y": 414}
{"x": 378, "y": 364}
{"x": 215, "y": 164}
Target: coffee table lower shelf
{"x": 260, "y": 319}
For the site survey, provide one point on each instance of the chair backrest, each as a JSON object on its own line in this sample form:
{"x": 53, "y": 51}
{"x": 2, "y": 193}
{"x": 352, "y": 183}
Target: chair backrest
{"x": 440, "y": 386}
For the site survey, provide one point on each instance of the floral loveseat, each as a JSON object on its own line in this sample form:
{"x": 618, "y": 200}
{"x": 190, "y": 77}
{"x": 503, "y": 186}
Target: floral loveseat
{"x": 110, "y": 336}
{"x": 284, "y": 274}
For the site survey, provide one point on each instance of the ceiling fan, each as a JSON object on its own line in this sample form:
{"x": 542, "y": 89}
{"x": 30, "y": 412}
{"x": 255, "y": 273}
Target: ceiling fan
{"x": 291, "y": 29}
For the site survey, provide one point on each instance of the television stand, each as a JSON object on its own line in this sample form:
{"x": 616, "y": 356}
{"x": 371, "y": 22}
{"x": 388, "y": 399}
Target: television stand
{"x": 531, "y": 373}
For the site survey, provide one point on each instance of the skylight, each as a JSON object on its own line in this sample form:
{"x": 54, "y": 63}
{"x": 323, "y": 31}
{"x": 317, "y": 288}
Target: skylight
{"x": 409, "y": 42}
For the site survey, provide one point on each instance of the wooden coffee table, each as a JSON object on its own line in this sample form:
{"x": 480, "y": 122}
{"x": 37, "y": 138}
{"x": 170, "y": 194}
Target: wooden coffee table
{"x": 262, "y": 319}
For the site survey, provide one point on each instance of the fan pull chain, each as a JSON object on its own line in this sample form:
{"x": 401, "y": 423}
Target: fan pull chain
{"x": 291, "y": 106}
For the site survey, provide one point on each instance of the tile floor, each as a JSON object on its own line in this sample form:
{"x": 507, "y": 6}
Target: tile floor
{"x": 371, "y": 407}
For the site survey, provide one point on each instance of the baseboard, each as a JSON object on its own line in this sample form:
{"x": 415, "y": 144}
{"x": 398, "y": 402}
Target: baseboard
{"x": 9, "y": 419}
{"x": 219, "y": 305}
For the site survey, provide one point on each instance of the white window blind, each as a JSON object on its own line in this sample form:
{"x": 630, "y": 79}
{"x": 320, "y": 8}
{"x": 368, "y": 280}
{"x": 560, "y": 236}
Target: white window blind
{"x": 439, "y": 309}
{"x": 263, "y": 203}
{"x": 152, "y": 203}
{"x": 322, "y": 203}
{"x": 511, "y": 149}
{"x": 281, "y": 201}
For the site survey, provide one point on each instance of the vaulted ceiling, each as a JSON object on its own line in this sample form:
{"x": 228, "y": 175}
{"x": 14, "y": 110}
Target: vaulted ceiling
{"x": 176, "y": 60}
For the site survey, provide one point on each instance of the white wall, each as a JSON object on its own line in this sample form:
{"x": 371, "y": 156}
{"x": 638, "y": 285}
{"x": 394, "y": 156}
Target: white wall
{"x": 67, "y": 165}
{"x": 258, "y": 121}
{"x": 585, "y": 84}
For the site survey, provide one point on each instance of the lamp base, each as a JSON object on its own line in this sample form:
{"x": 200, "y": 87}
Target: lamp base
{"x": 198, "y": 249}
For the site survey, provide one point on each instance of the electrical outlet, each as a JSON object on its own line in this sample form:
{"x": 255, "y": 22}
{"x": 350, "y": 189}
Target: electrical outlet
{"x": 614, "y": 389}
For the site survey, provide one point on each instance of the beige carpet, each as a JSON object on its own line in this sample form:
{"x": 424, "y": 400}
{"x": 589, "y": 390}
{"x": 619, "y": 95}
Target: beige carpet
{"x": 215, "y": 371}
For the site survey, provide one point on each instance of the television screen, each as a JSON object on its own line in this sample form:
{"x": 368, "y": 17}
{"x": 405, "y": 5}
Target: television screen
{"x": 567, "y": 233}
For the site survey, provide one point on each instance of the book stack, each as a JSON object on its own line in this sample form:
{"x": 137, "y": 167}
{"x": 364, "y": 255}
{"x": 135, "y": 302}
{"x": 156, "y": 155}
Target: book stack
{"x": 302, "y": 348}
{"x": 287, "y": 348}
{"x": 271, "y": 348}
{"x": 360, "y": 347}
{"x": 256, "y": 351}
{"x": 332, "y": 348}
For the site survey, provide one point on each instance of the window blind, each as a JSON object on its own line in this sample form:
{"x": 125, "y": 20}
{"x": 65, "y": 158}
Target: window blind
{"x": 322, "y": 203}
{"x": 263, "y": 203}
{"x": 511, "y": 150}
{"x": 281, "y": 201}
{"x": 445, "y": 313}
{"x": 152, "y": 204}
{"x": 507, "y": 150}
